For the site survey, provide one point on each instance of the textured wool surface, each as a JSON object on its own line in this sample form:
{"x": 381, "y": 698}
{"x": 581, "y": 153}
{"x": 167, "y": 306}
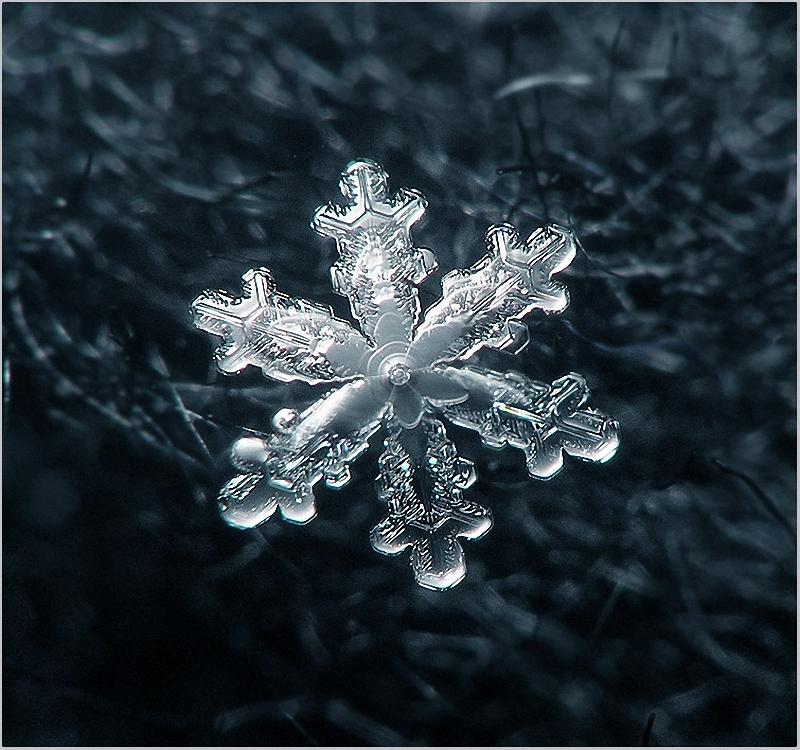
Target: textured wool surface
{"x": 151, "y": 151}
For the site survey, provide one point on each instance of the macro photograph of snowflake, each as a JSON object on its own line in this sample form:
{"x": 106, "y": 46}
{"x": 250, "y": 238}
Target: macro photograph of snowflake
{"x": 395, "y": 374}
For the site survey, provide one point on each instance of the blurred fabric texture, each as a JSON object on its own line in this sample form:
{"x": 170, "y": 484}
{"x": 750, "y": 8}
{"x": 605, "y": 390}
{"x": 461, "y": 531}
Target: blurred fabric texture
{"x": 154, "y": 150}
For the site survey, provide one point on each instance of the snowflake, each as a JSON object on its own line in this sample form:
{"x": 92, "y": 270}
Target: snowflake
{"x": 400, "y": 374}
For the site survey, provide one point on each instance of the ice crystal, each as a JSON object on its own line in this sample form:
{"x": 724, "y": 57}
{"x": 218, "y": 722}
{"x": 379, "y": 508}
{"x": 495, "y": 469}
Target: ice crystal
{"x": 398, "y": 374}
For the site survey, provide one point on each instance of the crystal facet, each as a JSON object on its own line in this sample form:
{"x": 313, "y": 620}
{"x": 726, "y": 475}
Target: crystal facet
{"x": 402, "y": 375}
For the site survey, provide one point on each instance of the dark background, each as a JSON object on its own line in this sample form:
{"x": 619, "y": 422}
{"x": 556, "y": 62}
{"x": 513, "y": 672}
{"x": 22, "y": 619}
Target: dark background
{"x": 151, "y": 151}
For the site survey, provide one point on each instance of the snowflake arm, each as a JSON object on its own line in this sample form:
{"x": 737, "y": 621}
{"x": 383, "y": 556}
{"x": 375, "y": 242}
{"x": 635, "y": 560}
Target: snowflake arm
{"x": 288, "y": 338}
{"x": 280, "y": 471}
{"x": 378, "y": 266}
{"x": 482, "y": 306}
{"x": 545, "y": 421}
{"x": 429, "y": 522}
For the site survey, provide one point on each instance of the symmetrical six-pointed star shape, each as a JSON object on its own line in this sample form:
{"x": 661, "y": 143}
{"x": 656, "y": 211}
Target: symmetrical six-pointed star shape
{"x": 401, "y": 374}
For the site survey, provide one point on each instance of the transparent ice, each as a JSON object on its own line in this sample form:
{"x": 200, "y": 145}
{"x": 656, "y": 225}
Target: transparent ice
{"x": 399, "y": 373}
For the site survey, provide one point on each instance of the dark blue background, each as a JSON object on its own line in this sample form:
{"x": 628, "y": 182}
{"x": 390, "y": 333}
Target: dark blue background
{"x": 151, "y": 151}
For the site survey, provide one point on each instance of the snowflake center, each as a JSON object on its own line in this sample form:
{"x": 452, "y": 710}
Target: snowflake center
{"x": 399, "y": 374}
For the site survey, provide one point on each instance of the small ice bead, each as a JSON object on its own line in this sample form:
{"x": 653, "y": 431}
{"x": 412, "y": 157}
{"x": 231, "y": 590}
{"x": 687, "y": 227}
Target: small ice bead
{"x": 249, "y": 451}
{"x": 284, "y": 420}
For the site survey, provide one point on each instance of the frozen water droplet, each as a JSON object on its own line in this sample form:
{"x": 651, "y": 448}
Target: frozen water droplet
{"x": 284, "y": 420}
{"x": 249, "y": 452}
